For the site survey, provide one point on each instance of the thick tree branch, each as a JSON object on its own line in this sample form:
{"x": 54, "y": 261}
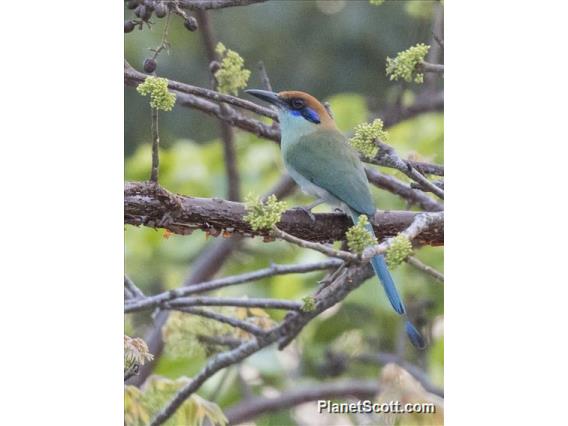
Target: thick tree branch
{"x": 150, "y": 205}
{"x": 252, "y": 408}
{"x": 209, "y": 262}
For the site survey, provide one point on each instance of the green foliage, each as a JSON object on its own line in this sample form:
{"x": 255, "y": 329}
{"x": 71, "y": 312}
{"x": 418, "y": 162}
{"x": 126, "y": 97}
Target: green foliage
{"x": 157, "y": 88}
{"x": 400, "y": 249}
{"x": 263, "y": 216}
{"x": 404, "y": 65}
{"x": 232, "y": 75}
{"x": 181, "y": 334}
{"x": 365, "y": 135}
{"x": 376, "y": 2}
{"x": 309, "y": 304}
{"x": 358, "y": 237}
{"x": 140, "y": 405}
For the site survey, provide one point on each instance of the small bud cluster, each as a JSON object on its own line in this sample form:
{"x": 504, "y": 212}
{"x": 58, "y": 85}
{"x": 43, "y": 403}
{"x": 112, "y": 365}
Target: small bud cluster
{"x": 400, "y": 249}
{"x": 231, "y": 75}
{"x": 263, "y": 216}
{"x": 358, "y": 237}
{"x": 405, "y": 63}
{"x": 309, "y": 304}
{"x": 160, "y": 97}
{"x": 136, "y": 352}
{"x": 365, "y": 135}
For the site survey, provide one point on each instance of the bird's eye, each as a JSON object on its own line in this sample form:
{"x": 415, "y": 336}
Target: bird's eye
{"x": 297, "y": 103}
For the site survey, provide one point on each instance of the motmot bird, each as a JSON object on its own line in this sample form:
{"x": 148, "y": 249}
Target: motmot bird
{"x": 321, "y": 161}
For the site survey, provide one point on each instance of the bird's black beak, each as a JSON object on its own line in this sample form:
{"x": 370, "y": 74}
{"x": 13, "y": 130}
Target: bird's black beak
{"x": 267, "y": 96}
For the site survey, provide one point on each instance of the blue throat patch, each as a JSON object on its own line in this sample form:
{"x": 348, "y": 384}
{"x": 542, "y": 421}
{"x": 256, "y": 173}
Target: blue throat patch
{"x": 308, "y": 113}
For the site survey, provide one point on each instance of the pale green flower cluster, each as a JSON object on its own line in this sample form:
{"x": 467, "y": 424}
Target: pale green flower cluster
{"x": 400, "y": 249}
{"x": 376, "y": 2}
{"x": 358, "y": 237}
{"x": 263, "y": 216}
{"x": 157, "y": 88}
{"x": 404, "y": 65}
{"x": 365, "y": 135}
{"x": 309, "y": 304}
{"x": 232, "y": 75}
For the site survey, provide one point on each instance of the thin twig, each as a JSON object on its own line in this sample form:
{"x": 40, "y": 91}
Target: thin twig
{"x": 155, "y": 301}
{"x": 164, "y": 44}
{"x": 134, "y": 77}
{"x": 227, "y": 133}
{"x": 439, "y": 183}
{"x": 382, "y": 358}
{"x": 183, "y": 302}
{"x": 248, "y": 410}
{"x": 428, "y": 67}
{"x": 425, "y": 268}
{"x": 340, "y": 254}
{"x": 243, "y": 325}
{"x": 264, "y": 76}
{"x": 213, "y": 4}
{"x": 132, "y": 288}
{"x": 155, "y": 147}
{"x": 403, "y": 190}
{"x": 387, "y": 156}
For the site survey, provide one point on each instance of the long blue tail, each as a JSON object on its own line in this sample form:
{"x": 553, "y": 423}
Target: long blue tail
{"x": 380, "y": 267}
{"x": 382, "y": 272}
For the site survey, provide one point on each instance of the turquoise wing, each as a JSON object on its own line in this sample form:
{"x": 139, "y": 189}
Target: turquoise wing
{"x": 325, "y": 159}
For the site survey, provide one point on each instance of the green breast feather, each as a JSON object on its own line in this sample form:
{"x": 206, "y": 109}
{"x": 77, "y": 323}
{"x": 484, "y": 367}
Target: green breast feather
{"x": 325, "y": 158}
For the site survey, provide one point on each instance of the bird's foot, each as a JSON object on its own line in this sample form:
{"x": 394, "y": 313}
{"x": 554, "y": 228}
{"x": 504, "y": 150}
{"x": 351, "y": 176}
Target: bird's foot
{"x": 308, "y": 211}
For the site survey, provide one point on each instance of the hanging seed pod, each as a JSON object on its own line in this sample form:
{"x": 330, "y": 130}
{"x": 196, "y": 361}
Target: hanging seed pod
{"x": 132, "y": 4}
{"x": 128, "y": 26}
{"x": 149, "y": 65}
{"x": 191, "y": 23}
{"x": 161, "y": 10}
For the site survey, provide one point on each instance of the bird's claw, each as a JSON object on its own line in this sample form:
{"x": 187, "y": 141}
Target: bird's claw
{"x": 308, "y": 212}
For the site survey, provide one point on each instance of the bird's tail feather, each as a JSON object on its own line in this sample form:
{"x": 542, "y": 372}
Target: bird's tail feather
{"x": 380, "y": 267}
{"x": 382, "y": 272}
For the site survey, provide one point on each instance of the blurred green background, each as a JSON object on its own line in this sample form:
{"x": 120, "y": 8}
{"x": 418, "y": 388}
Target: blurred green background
{"x": 337, "y": 52}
